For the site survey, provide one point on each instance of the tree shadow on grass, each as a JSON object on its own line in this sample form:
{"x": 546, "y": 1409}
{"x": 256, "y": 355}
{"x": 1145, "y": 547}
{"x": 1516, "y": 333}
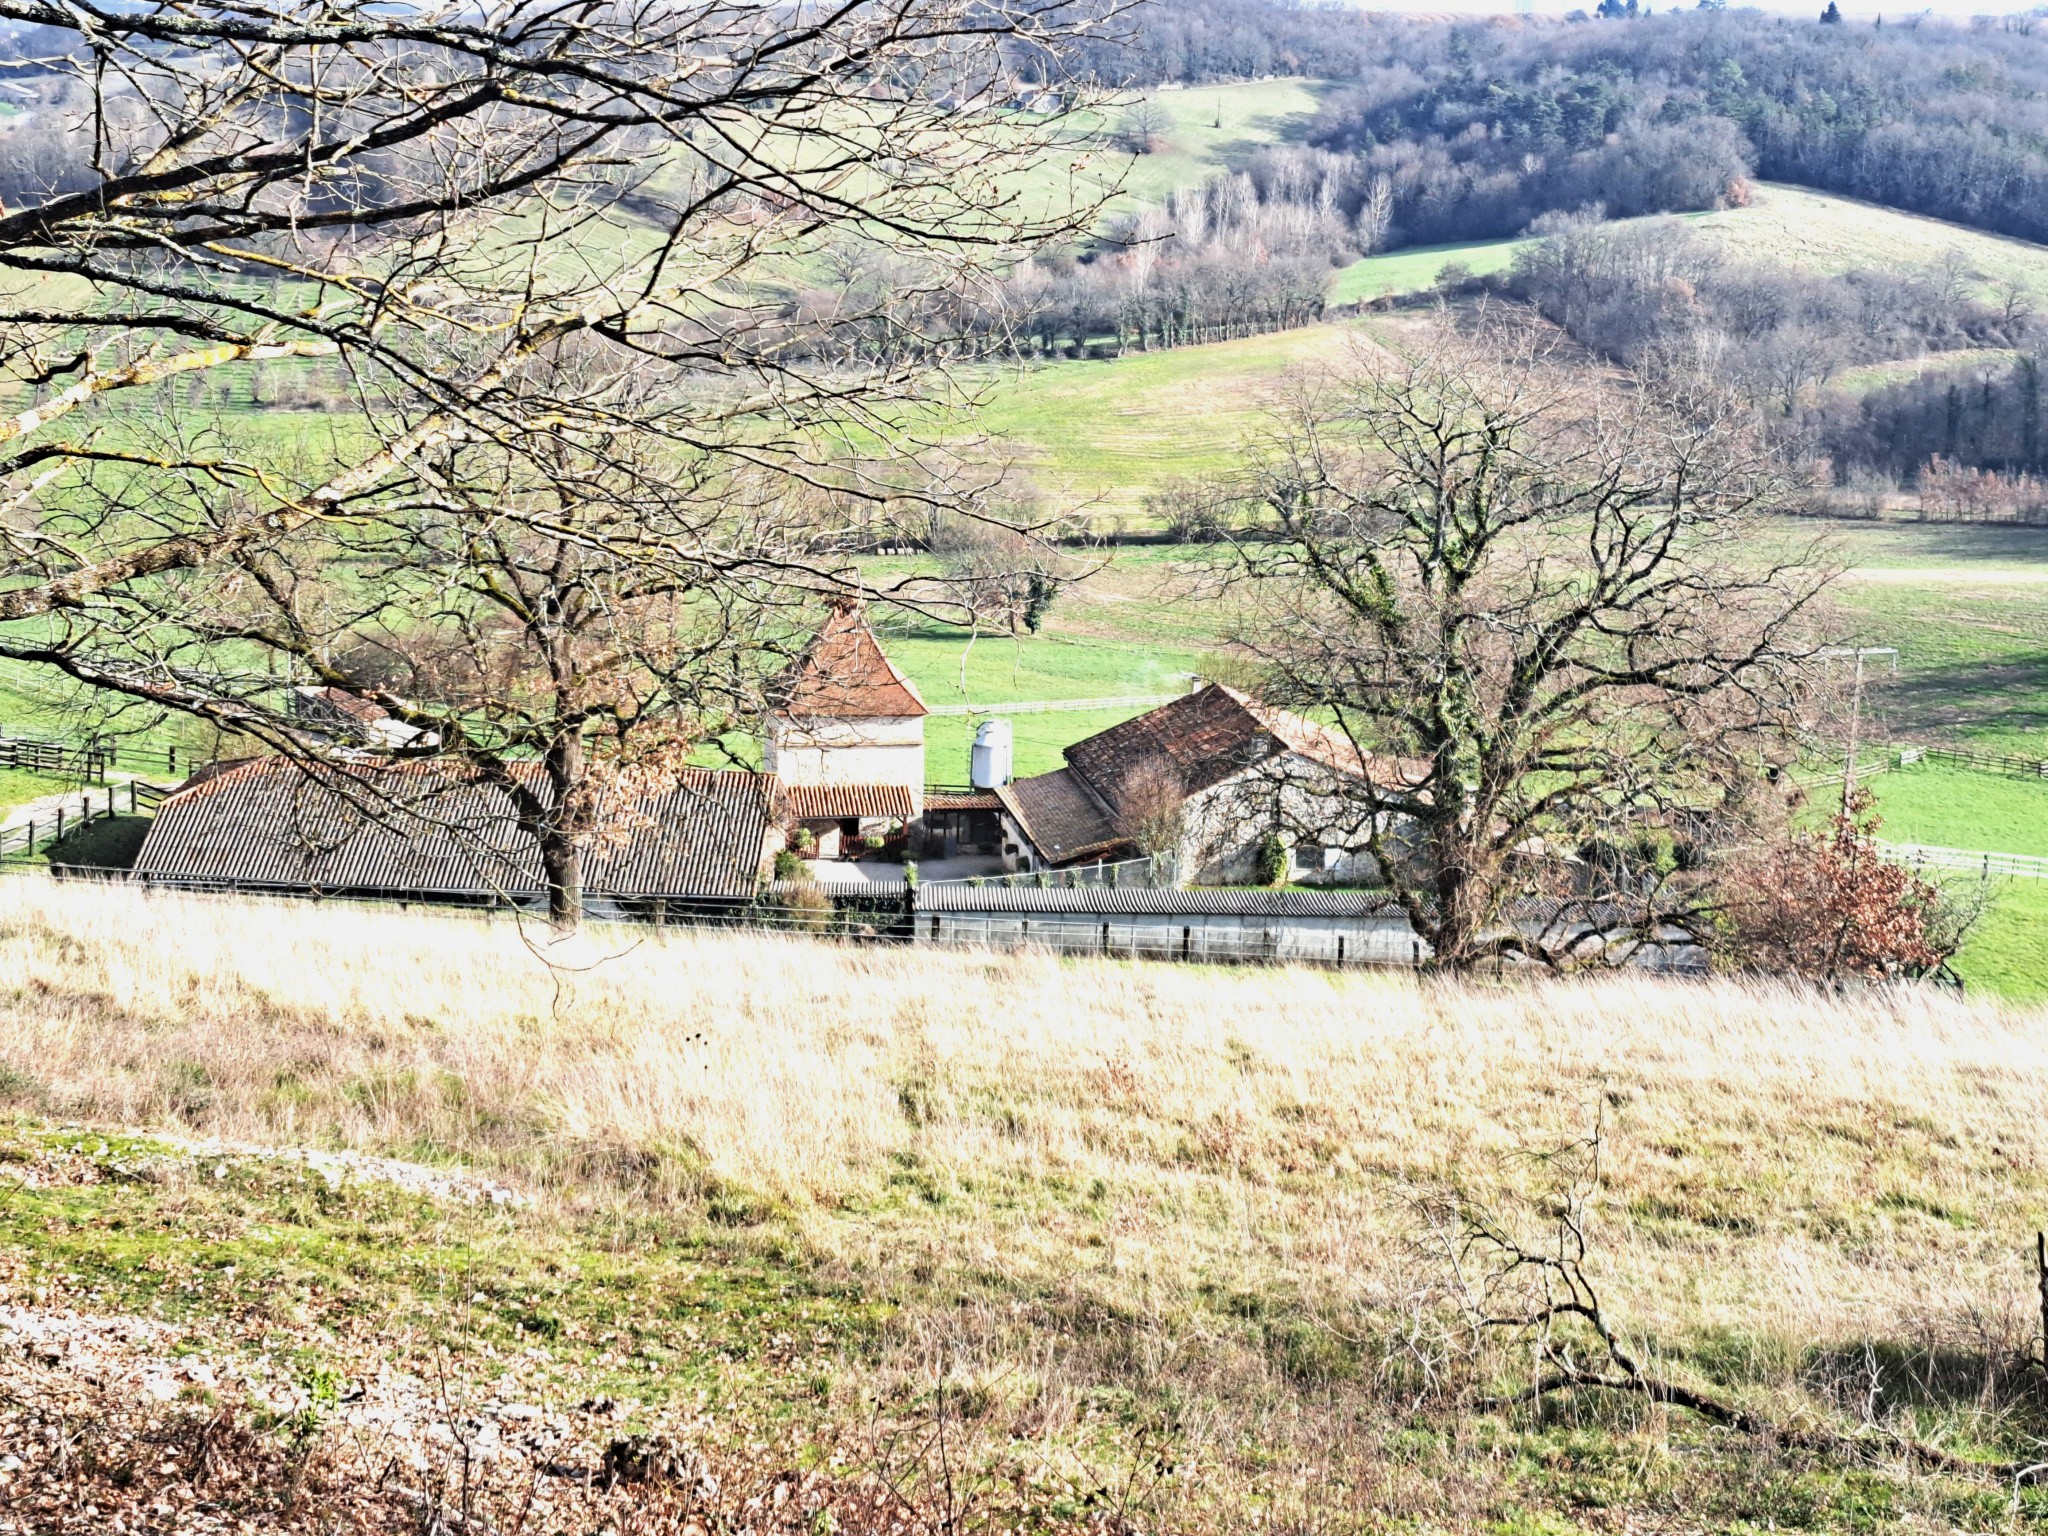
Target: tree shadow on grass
{"x": 2010, "y": 694}
{"x": 1995, "y": 544}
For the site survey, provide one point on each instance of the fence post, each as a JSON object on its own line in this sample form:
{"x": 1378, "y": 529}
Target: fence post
{"x": 60, "y": 830}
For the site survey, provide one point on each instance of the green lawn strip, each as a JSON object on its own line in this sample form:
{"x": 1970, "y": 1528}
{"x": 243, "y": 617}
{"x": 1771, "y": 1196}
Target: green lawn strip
{"x": 1950, "y": 807}
{"x": 18, "y": 786}
{"x": 999, "y": 670}
{"x": 1394, "y": 273}
{"x": 647, "y": 1311}
{"x": 950, "y": 666}
{"x": 1888, "y": 544}
{"x": 1039, "y": 742}
{"x": 1095, "y": 435}
{"x": 1945, "y": 807}
{"x": 2007, "y": 952}
{"x": 1973, "y": 662}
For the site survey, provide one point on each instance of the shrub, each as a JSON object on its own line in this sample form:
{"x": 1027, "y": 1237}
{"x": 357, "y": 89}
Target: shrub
{"x": 1828, "y": 904}
{"x": 1270, "y": 863}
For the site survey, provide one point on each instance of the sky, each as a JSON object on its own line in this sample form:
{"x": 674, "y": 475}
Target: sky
{"x": 1859, "y": 10}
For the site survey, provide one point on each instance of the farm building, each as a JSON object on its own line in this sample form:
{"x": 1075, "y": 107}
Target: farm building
{"x": 1208, "y": 778}
{"x": 419, "y": 832}
{"x": 1327, "y": 927}
{"x": 845, "y": 738}
{"x": 1252, "y": 925}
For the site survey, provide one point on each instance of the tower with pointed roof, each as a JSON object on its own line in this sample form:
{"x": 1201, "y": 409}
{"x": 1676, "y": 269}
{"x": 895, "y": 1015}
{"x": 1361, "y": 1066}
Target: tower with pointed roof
{"x": 842, "y": 715}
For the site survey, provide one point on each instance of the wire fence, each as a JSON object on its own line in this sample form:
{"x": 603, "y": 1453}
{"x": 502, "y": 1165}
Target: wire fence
{"x": 1207, "y": 944}
{"x": 1053, "y": 706}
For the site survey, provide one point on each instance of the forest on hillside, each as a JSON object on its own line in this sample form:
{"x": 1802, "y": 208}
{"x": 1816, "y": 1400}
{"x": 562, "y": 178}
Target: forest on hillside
{"x": 1482, "y": 125}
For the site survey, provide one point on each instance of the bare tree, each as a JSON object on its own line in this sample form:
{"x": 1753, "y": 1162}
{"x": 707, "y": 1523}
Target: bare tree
{"x": 1143, "y": 127}
{"x": 1152, "y": 807}
{"x": 1543, "y": 619}
{"x": 546, "y": 255}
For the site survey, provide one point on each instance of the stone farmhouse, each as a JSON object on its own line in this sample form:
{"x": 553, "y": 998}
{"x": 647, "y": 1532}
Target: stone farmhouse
{"x": 1207, "y": 778}
{"x": 844, "y": 781}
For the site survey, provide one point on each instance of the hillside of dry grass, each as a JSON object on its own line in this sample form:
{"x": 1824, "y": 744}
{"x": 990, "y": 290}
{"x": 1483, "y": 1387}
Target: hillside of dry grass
{"x": 1167, "y": 1230}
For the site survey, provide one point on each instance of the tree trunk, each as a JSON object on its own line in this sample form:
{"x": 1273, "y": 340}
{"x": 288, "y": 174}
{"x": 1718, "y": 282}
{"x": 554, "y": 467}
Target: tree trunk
{"x": 564, "y": 831}
{"x": 561, "y": 863}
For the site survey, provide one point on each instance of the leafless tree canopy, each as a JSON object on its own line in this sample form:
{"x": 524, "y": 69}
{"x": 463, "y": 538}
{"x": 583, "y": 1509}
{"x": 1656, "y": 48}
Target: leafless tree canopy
{"x": 1542, "y": 613}
{"x": 539, "y": 263}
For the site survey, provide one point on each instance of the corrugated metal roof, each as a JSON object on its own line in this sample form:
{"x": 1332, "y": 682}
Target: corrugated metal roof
{"x": 272, "y": 824}
{"x": 818, "y": 802}
{"x": 1104, "y": 901}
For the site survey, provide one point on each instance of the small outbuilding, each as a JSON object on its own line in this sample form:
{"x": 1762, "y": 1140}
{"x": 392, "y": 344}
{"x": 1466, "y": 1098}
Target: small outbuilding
{"x": 424, "y": 832}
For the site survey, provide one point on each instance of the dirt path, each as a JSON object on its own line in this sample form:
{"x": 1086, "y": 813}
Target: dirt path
{"x": 1949, "y": 575}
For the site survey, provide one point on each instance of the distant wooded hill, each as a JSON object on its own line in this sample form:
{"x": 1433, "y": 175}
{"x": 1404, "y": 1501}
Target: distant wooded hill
{"x": 1483, "y": 125}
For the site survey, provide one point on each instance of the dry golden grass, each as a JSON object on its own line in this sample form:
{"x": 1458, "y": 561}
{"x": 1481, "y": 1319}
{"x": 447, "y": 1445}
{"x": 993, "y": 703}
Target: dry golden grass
{"x": 1826, "y": 1162}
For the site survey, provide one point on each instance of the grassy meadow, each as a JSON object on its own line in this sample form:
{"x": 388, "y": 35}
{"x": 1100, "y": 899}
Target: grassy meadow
{"x": 1099, "y": 434}
{"x": 2006, "y": 954}
{"x": 1164, "y": 1220}
{"x": 20, "y": 785}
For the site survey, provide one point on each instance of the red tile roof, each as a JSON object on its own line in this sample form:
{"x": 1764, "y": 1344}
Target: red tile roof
{"x": 822, "y": 802}
{"x": 1063, "y": 820}
{"x": 1201, "y": 740}
{"x": 844, "y": 675}
{"x": 962, "y": 800}
{"x": 1209, "y": 736}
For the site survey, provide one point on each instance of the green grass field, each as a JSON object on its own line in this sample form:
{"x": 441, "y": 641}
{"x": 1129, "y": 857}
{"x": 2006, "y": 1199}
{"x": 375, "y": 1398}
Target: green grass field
{"x": 1948, "y": 807}
{"x": 1093, "y": 646}
{"x": 1394, "y": 273}
{"x": 1812, "y": 231}
{"x": 1101, "y": 434}
{"x": 18, "y": 786}
{"x": 1096, "y": 436}
{"x": 1215, "y": 128}
{"x": 1961, "y": 808}
{"x": 1966, "y": 606}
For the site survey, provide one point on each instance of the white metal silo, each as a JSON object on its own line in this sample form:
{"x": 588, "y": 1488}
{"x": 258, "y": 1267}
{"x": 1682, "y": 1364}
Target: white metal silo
{"x": 991, "y": 758}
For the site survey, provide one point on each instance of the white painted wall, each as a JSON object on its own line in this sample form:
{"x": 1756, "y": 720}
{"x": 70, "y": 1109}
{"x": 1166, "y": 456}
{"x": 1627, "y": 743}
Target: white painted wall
{"x": 889, "y": 750}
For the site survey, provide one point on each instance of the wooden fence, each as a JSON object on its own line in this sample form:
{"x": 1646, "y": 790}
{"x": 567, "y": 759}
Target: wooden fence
{"x": 1969, "y": 861}
{"x": 23, "y": 839}
{"x": 89, "y": 759}
{"x": 1964, "y": 757}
